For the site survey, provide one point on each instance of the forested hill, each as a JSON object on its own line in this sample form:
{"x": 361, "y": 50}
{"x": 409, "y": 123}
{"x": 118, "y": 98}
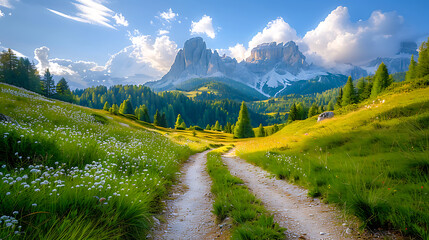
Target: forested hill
{"x": 194, "y": 112}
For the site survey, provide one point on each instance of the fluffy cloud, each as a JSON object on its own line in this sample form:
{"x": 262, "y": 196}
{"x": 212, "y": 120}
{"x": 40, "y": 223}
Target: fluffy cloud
{"x": 163, "y": 32}
{"x": 203, "y": 26}
{"x": 120, "y": 20}
{"x": 1, "y": 14}
{"x": 146, "y": 59}
{"x": 276, "y": 31}
{"x": 6, "y": 3}
{"x": 94, "y": 12}
{"x": 338, "y": 40}
{"x": 169, "y": 15}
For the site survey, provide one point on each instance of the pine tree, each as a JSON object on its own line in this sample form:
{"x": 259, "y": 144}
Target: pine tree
{"x": 157, "y": 118}
{"x": 339, "y": 99}
{"x": 126, "y": 107}
{"x": 261, "y": 131}
{"x": 422, "y": 68}
{"x": 411, "y": 73}
{"x": 293, "y": 114}
{"x": 216, "y": 126}
{"x": 114, "y": 109}
{"x": 348, "y": 93}
{"x": 63, "y": 87}
{"x": 243, "y": 128}
{"x": 208, "y": 127}
{"x": 179, "y": 122}
{"x": 48, "y": 84}
{"x": 381, "y": 80}
{"x": 182, "y": 126}
{"x": 228, "y": 127}
{"x": 360, "y": 86}
{"x": 331, "y": 106}
{"x": 313, "y": 110}
{"x": 106, "y": 106}
{"x": 164, "y": 120}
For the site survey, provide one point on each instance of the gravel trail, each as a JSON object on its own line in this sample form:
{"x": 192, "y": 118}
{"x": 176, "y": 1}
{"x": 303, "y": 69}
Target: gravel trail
{"x": 304, "y": 217}
{"x": 188, "y": 214}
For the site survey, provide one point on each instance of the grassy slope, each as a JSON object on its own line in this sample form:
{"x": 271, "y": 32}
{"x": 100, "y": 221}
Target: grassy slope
{"x": 373, "y": 161}
{"x": 232, "y": 199}
{"x": 69, "y": 172}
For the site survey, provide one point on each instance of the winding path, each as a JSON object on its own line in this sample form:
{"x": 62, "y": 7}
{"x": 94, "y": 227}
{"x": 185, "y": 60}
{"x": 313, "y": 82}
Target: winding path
{"x": 188, "y": 214}
{"x": 304, "y": 217}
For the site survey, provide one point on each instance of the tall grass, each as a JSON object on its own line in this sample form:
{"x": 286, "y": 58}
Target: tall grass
{"x": 372, "y": 161}
{"x": 233, "y": 199}
{"x": 69, "y": 173}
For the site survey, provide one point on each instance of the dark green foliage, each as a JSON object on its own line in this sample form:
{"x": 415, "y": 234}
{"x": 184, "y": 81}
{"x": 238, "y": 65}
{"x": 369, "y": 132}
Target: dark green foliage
{"x": 180, "y": 123}
{"x": 106, "y": 106}
{"x": 114, "y": 109}
{"x": 422, "y": 68}
{"x": 216, "y": 127}
{"x": 331, "y": 106}
{"x": 48, "y": 84}
{"x": 243, "y": 127}
{"x": 261, "y": 131}
{"x": 126, "y": 107}
{"x": 63, "y": 87}
{"x": 19, "y": 72}
{"x": 349, "y": 94}
{"x": 313, "y": 110}
{"x": 142, "y": 114}
{"x": 339, "y": 99}
{"x": 381, "y": 80}
{"x": 412, "y": 71}
{"x": 171, "y": 103}
{"x": 163, "y": 121}
{"x": 157, "y": 119}
{"x": 293, "y": 114}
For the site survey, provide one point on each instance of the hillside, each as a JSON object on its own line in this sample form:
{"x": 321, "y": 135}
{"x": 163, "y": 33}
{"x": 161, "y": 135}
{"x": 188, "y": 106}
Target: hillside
{"x": 371, "y": 159}
{"x": 70, "y": 172}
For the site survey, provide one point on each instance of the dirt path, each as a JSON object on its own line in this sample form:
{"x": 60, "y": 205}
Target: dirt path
{"x": 188, "y": 214}
{"x": 304, "y": 217}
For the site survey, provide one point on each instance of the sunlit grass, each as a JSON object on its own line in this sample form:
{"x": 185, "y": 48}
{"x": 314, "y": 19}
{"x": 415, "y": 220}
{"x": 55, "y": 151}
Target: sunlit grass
{"x": 373, "y": 161}
{"x": 68, "y": 172}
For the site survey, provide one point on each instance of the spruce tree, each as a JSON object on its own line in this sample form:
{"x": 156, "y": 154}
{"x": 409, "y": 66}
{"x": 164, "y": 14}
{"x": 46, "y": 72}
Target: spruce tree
{"x": 216, "y": 126}
{"x": 157, "y": 118}
{"x": 313, "y": 110}
{"x": 293, "y": 114}
{"x": 243, "y": 128}
{"x": 208, "y": 127}
{"x": 228, "y": 127}
{"x": 422, "y": 68}
{"x": 381, "y": 80}
{"x": 348, "y": 93}
{"x": 48, "y": 84}
{"x": 114, "y": 109}
{"x": 106, "y": 106}
{"x": 164, "y": 120}
{"x": 261, "y": 131}
{"x": 339, "y": 99}
{"x": 179, "y": 122}
{"x": 360, "y": 86}
{"x": 411, "y": 73}
{"x": 126, "y": 107}
{"x": 331, "y": 106}
{"x": 63, "y": 87}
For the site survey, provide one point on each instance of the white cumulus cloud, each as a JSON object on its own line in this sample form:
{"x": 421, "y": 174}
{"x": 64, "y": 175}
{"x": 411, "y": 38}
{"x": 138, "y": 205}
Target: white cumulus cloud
{"x": 1, "y": 14}
{"x": 276, "y": 31}
{"x": 339, "y": 40}
{"x": 6, "y": 3}
{"x": 238, "y": 52}
{"x": 120, "y": 20}
{"x": 169, "y": 15}
{"x": 94, "y": 12}
{"x": 163, "y": 32}
{"x": 203, "y": 26}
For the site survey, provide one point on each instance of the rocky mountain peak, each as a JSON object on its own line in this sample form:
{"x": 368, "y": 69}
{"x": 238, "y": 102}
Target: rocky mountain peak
{"x": 284, "y": 57}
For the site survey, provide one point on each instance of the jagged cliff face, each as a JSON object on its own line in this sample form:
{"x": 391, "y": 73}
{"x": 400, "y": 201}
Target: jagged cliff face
{"x": 285, "y": 57}
{"x": 269, "y": 69}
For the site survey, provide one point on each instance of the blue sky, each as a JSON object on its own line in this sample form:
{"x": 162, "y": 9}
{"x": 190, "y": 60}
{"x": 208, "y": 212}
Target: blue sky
{"x": 86, "y": 30}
